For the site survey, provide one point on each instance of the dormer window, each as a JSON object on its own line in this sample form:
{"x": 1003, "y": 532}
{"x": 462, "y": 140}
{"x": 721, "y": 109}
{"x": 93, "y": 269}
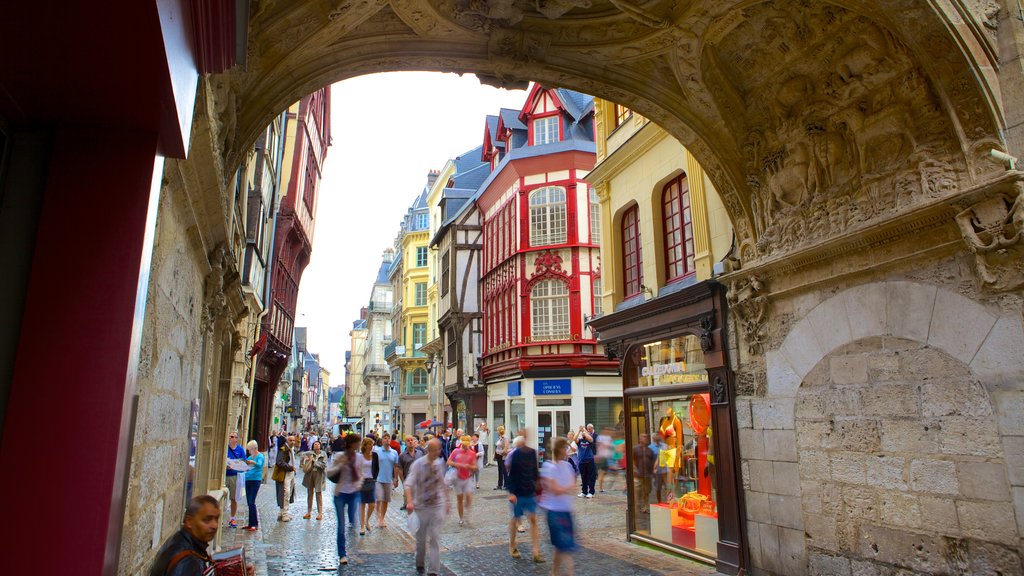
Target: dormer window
{"x": 545, "y": 130}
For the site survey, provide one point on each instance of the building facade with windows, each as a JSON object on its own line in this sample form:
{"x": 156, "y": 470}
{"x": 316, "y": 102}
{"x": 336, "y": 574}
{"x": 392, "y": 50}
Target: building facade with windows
{"x": 457, "y": 243}
{"x": 410, "y": 279}
{"x": 304, "y": 155}
{"x": 375, "y": 391}
{"x": 664, "y": 319}
{"x": 540, "y": 260}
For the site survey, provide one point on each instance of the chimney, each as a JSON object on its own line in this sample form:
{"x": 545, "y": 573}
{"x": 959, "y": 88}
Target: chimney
{"x": 363, "y": 313}
{"x": 432, "y": 177}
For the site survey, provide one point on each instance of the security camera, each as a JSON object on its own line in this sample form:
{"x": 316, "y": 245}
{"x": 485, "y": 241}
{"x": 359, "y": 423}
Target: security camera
{"x": 1009, "y": 161}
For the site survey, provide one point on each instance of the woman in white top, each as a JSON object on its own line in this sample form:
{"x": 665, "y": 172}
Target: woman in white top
{"x": 559, "y": 483}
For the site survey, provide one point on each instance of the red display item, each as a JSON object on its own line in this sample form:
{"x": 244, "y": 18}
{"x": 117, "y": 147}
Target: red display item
{"x": 700, "y": 413}
{"x": 229, "y": 562}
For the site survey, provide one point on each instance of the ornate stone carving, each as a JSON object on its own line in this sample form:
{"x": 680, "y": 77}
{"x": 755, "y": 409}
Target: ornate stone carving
{"x": 993, "y": 229}
{"x": 831, "y": 114}
{"x": 707, "y": 325}
{"x": 547, "y": 264}
{"x": 719, "y": 391}
{"x": 749, "y": 305}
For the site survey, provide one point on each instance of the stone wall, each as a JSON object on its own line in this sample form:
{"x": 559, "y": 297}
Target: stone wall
{"x": 168, "y": 380}
{"x": 882, "y": 430}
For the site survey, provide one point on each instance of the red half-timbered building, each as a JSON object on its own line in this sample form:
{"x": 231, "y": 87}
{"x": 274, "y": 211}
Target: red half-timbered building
{"x": 541, "y": 269}
{"x": 293, "y": 244}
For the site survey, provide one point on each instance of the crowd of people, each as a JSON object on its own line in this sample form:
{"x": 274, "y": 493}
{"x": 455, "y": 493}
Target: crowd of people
{"x": 364, "y": 472}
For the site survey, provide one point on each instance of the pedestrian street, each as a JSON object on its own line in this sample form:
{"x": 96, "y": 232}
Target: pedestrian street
{"x": 307, "y": 547}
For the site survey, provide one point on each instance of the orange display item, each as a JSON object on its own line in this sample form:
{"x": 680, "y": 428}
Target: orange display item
{"x": 700, "y": 412}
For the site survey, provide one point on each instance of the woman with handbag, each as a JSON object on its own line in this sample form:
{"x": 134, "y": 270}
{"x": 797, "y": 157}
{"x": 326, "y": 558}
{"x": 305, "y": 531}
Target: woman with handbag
{"x": 367, "y": 494}
{"x": 348, "y": 481}
{"x": 313, "y": 466}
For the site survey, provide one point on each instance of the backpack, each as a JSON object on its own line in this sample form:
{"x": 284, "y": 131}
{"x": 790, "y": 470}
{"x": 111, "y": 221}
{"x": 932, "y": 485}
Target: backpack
{"x": 375, "y": 466}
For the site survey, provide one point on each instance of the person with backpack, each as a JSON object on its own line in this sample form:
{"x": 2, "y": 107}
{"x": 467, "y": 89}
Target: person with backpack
{"x": 522, "y": 484}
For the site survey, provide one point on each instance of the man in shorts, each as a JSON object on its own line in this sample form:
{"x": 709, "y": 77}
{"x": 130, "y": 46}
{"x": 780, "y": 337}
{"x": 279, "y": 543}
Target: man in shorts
{"x": 386, "y": 478}
{"x": 521, "y": 482}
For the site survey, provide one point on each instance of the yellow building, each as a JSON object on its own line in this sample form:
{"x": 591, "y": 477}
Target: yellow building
{"x": 640, "y": 170}
{"x": 437, "y": 406}
{"x": 411, "y": 319}
{"x": 663, "y": 315}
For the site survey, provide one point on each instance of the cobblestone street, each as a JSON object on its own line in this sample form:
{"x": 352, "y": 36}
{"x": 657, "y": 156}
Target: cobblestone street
{"x": 307, "y": 547}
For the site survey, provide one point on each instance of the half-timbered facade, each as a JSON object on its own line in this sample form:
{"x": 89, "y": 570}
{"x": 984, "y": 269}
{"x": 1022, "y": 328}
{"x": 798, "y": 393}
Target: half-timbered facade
{"x": 458, "y": 243}
{"x": 540, "y": 261}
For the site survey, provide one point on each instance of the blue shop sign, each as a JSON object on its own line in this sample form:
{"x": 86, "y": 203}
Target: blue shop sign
{"x": 552, "y": 387}
{"x": 515, "y": 388}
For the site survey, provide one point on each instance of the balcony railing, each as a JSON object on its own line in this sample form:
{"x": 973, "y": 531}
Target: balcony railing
{"x": 393, "y": 349}
{"x": 376, "y": 370}
{"x": 381, "y": 307}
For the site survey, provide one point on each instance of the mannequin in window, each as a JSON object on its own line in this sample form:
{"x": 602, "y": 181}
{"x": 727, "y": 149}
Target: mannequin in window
{"x": 671, "y": 429}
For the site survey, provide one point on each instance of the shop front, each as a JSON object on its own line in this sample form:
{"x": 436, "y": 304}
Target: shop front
{"x": 553, "y": 407}
{"x": 680, "y": 431}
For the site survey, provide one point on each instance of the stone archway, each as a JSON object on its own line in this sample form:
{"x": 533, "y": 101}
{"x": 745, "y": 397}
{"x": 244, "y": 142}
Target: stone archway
{"x": 865, "y": 381}
{"x": 842, "y": 114}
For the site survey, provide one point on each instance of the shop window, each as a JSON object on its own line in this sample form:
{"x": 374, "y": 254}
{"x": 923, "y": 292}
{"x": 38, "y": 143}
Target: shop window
{"x": 678, "y": 229}
{"x": 549, "y": 302}
{"x": 605, "y": 413}
{"x": 547, "y": 216}
{"x": 632, "y": 258}
{"x": 673, "y": 501}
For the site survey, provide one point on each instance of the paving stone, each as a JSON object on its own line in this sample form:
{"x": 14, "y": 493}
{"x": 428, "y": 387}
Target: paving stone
{"x": 308, "y": 547}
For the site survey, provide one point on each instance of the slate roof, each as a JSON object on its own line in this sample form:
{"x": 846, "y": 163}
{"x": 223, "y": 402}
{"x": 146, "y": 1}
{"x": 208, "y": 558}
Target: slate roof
{"x": 577, "y": 104}
{"x": 382, "y": 273}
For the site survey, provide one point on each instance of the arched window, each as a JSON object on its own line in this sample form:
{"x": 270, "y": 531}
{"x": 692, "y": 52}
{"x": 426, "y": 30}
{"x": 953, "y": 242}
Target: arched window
{"x": 678, "y": 229}
{"x": 547, "y": 216}
{"x": 595, "y": 218}
{"x": 632, "y": 259}
{"x": 417, "y": 382}
{"x": 549, "y": 302}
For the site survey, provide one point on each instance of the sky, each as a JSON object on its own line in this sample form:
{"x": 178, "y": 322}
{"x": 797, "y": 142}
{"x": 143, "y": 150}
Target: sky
{"x": 388, "y": 131}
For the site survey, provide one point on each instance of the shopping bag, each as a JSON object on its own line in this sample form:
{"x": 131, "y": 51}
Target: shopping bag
{"x": 413, "y": 522}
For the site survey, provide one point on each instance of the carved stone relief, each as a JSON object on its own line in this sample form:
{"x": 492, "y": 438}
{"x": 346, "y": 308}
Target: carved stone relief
{"x": 748, "y": 303}
{"x": 993, "y": 229}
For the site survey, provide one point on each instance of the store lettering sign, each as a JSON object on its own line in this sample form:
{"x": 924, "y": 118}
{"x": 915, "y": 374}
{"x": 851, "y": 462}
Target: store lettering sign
{"x": 515, "y": 388}
{"x": 552, "y": 387}
{"x": 662, "y": 369}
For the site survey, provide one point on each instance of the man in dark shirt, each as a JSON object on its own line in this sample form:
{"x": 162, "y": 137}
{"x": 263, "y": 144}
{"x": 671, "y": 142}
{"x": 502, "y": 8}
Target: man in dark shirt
{"x": 405, "y": 460}
{"x": 521, "y": 483}
{"x": 184, "y": 553}
{"x": 588, "y": 469}
{"x": 643, "y": 468}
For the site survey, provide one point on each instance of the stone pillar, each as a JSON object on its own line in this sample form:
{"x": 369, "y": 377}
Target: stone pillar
{"x": 79, "y": 344}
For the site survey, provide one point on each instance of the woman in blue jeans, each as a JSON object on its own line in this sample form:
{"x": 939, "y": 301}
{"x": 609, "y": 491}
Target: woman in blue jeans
{"x": 348, "y": 480}
{"x": 253, "y": 480}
